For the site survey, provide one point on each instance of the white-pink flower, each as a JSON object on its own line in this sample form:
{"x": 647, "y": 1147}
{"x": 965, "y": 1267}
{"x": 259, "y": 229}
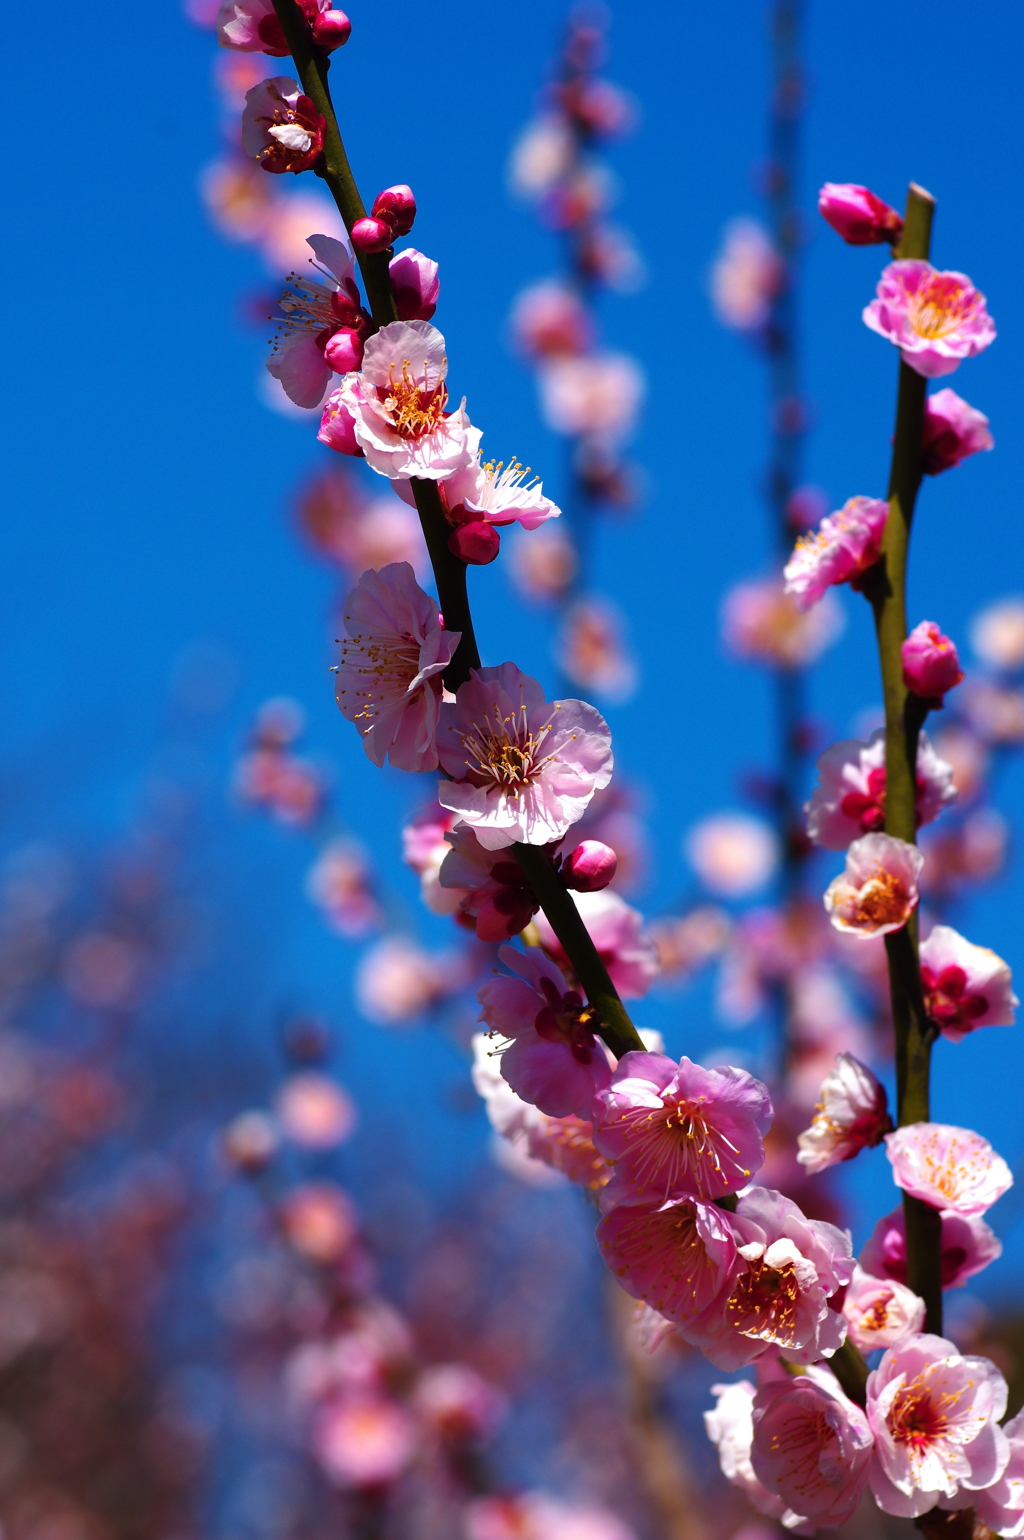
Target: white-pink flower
{"x": 617, "y": 931}
{"x": 965, "y": 986}
{"x": 811, "y": 1446}
{"x": 844, "y": 546}
{"x": 363, "y": 1440}
{"x": 761, "y": 622}
{"x": 550, "y": 320}
{"x": 281, "y": 127}
{"x": 1001, "y": 1505}
{"x": 599, "y": 393}
{"x": 497, "y": 493}
{"x": 879, "y": 1311}
{"x": 730, "y": 1427}
{"x": 396, "y": 980}
{"x": 397, "y": 405}
{"x": 935, "y": 319}
{"x": 852, "y": 1114}
{"x": 935, "y": 1417}
{"x": 424, "y": 848}
{"x": 250, "y": 26}
{"x": 388, "y": 682}
{"x": 997, "y": 634}
{"x": 746, "y": 277}
{"x": 523, "y": 768}
{"x": 733, "y": 854}
{"x": 878, "y": 891}
{"x": 968, "y": 1246}
{"x": 679, "y": 1257}
{"x": 953, "y": 1169}
{"x": 849, "y": 799}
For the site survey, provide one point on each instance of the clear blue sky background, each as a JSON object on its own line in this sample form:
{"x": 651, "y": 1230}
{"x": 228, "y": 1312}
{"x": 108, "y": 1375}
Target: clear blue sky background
{"x": 147, "y": 488}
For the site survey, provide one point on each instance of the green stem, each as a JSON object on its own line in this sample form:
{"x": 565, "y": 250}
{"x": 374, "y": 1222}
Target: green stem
{"x": 450, "y": 578}
{"x": 848, "y": 1366}
{"x": 904, "y": 716}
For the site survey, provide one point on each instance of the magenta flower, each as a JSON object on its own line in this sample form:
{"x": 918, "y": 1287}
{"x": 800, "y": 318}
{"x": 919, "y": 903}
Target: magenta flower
{"x": 523, "y": 768}
{"x": 931, "y": 665}
{"x": 389, "y": 679}
{"x": 953, "y": 1169}
{"x": 555, "y": 1061}
{"x": 679, "y": 1258}
{"x": 415, "y": 285}
{"x": 730, "y": 1427}
{"x": 859, "y": 215}
{"x": 492, "y": 892}
{"x": 281, "y": 127}
{"x": 849, "y": 799}
{"x": 617, "y": 930}
{"x": 852, "y": 1114}
{"x": 338, "y": 427}
{"x": 935, "y": 1417}
{"x": 679, "y": 1131}
{"x": 952, "y": 431}
{"x": 317, "y": 311}
{"x": 879, "y": 1311}
{"x": 935, "y": 319}
{"x": 251, "y": 26}
{"x": 844, "y": 547}
{"x": 968, "y": 1246}
{"x": 965, "y": 986}
{"x": 397, "y": 404}
{"x": 878, "y": 891}
{"x": 1001, "y": 1505}
{"x": 811, "y": 1446}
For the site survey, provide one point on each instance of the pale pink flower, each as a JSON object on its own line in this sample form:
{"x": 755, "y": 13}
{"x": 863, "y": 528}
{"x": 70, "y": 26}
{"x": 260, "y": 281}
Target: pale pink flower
{"x": 457, "y": 1403}
{"x": 965, "y": 986}
{"x": 811, "y": 1446}
{"x": 491, "y": 890}
{"x": 425, "y": 848}
{"x": 542, "y": 155}
{"x": 535, "y": 1516}
{"x": 747, "y": 277}
{"x": 415, "y": 285}
{"x": 599, "y": 393}
{"x": 389, "y": 679}
{"x": 523, "y": 768}
{"x": 544, "y": 567}
{"x": 397, "y": 405}
{"x": 363, "y": 1440}
{"x": 852, "y": 1114}
{"x": 550, "y": 320}
{"x": 239, "y": 201}
{"x": 289, "y": 787}
{"x": 251, "y": 26}
{"x": 554, "y": 1061}
{"x": 496, "y": 493}
{"x": 878, "y": 891}
{"x": 679, "y": 1257}
{"x": 315, "y": 1111}
{"x": 733, "y": 854}
{"x": 964, "y": 751}
{"x": 316, "y": 310}
{"x": 953, "y": 1169}
{"x": 968, "y": 1246}
{"x": 931, "y": 665}
{"x": 730, "y": 1427}
{"x": 859, "y": 215}
{"x": 879, "y": 1311}
{"x": 935, "y": 319}
{"x": 319, "y": 1221}
{"x": 1001, "y": 1505}
{"x": 935, "y": 1417}
{"x": 971, "y": 851}
{"x": 679, "y": 1131}
{"x": 997, "y": 634}
{"x": 591, "y": 652}
{"x": 617, "y": 930}
{"x": 952, "y": 431}
{"x": 340, "y": 884}
{"x": 396, "y": 980}
{"x": 761, "y": 622}
{"x": 844, "y": 547}
{"x": 994, "y": 710}
{"x": 281, "y": 127}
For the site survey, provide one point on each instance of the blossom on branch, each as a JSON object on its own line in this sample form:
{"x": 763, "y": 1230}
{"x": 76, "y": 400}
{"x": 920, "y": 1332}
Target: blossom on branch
{"x": 879, "y": 1311}
{"x": 965, "y": 986}
{"x": 844, "y": 547}
{"x": 935, "y": 319}
{"x": 761, "y": 622}
{"x": 617, "y": 931}
{"x": 852, "y": 1114}
{"x": 878, "y": 891}
{"x": 747, "y": 277}
{"x": 811, "y": 1446}
{"x": 968, "y": 1246}
{"x": 415, "y": 285}
{"x": 953, "y": 1169}
{"x": 281, "y": 128}
{"x": 859, "y": 215}
{"x": 849, "y": 799}
{"x": 952, "y": 431}
{"x": 324, "y": 325}
{"x": 1001, "y": 1504}
{"x": 931, "y": 665}
{"x": 730, "y": 1427}
{"x": 492, "y": 893}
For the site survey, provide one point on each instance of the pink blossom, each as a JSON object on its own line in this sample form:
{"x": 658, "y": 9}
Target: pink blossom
{"x": 994, "y": 710}
{"x": 251, "y": 26}
{"x": 285, "y": 785}
{"x": 591, "y": 652}
{"x": 371, "y": 235}
{"x": 972, "y": 851}
{"x": 935, "y": 1417}
{"x": 338, "y": 427}
{"x": 290, "y": 217}
{"x": 425, "y": 848}
{"x": 761, "y": 622}
{"x": 679, "y": 1131}
{"x": 879, "y": 1311}
{"x": 317, "y": 311}
{"x": 679, "y": 1257}
{"x": 935, "y": 319}
{"x": 953, "y": 1169}
{"x": 965, "y": 986}
{"x": 555, "y": 1061}
{"x": 849, "y": 799}
{"x": 1001, "y": 1505}
{"x": 968, "y": 1246}
{"x": 997, "y": 634}
{"x": 733, "y": 854}
{"x": 495, "y": 493}
{"x": 590, "y": 867}
{"x": 852, "y": 1114}
{"x": 550, "y": 320}
{"x": 389, "y": 679}
{"x": 457, "y": 1403}
{"x": 859, "y": 215}
{"x": 319, "y": 1221}
{"x": 250, "y": 1141}
{"x": 492, "y": 892}
{"x": 930, "y": 663}
{"x": 617, "y": 931}
{"x": 396, "y": 980}
{"x": 358, "y": 533}
{"x": 523, "y": 768}
{"x": 878, "y": 891}
{"x": 363, "y": 1440}
{"x": 730, "y": 1427}
{"x": 747, "y": 276}
{"x": 845, "y": 547}
{"x": 314, "y": 1111}
{"x": 340, "y": 884}
{"x": 599, "y": 393}
{"x": 397, "y": 405}
{"x": 811, "y": 1446}
{"x": 543, "y": 568}
{"x": 415, "y": 285}
{"x": 952, "y": 431}
{"x": 281, "y": 127}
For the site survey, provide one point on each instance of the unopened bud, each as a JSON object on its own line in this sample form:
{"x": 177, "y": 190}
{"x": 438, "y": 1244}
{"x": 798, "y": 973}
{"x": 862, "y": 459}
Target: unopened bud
{"x": 861, "y": 218}
{"x": 476, "y": 543}
{"x": 415, "y": 285}
{"x": 397, "y": 207}
{"x": 590, "y": 867}
{"x": 337, "y": 426}
{"x": 331, "y": 29}
{"x": 930, "y": 663}
{"x": 344, "y": 351}
{"x": 370, "y": 234}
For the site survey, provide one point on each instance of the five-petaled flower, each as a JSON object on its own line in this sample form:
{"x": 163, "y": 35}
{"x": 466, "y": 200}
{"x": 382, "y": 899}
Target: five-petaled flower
{"x": 935, "y": 319}
{"x": 852, "y": 1114}
{"x": 965, "y": 986}
{"x": 811, "y": 1446}
{"x": 849, "y": 799}
{"x": 878, "y": 891}
{"x": 844, "y": 547}
{"x": 323, "y": 326}
{"x": 281, "y": 128}
{"x": 953, "y": 1169}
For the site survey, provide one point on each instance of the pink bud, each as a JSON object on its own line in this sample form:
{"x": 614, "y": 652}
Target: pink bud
{"x": 858, "y": 215}
{"x": 332, "y": 29}
{"x": 415, "y": 285}
{"x": 337, "y": 426}
{"x": 590, "y": 867}
{"x": 930, "y": 662}
{"x": 476, "y": 543}
{"x": 397, "y": 207}
{"x": 344, "y": 351}
{"x": 369, "y": 235}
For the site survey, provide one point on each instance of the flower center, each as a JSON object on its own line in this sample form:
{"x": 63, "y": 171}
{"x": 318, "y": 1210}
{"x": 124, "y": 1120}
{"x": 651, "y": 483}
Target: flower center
{"x": 919, "y": 1418}
{"x": 678, "y": 1146}
{"x": 389, "y": 664}
{"x": 566, "y": 1019}
{"x": 414, "y": 409}
{"x": 764, "y": 1301}
{"x": 946, "y": 998}
{"x": 504, "y": 750}
{"x": 938, "y": 307}
{"x": 880, "y": 900}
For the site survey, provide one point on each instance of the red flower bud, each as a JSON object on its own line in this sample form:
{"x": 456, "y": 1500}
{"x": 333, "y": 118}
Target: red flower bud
{"x": 930, "y": 663}
{"x": 476, "y": 543}
{"x": 397, "y": 206}
{"x": 370, "y": 234}
{"x": 344, "y": 351}
{"x": 331, "y": 29}
{"x": 590, "y": 867}
{"x": 861, "y": 218}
